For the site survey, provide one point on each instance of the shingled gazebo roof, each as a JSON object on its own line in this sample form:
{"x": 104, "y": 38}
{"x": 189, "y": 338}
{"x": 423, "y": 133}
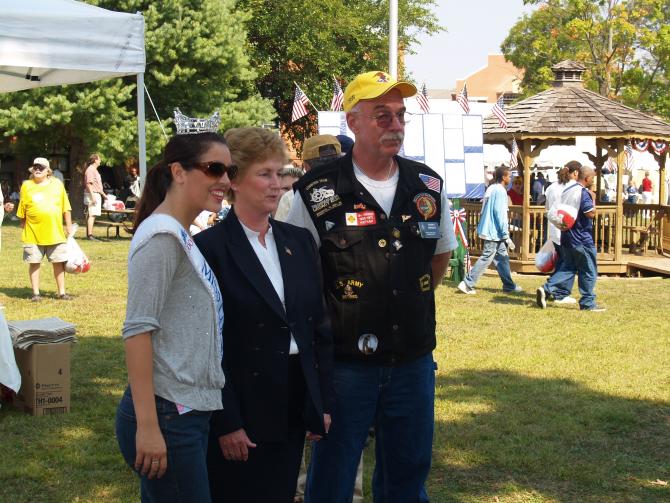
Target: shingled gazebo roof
{"x": 567, "y": 110}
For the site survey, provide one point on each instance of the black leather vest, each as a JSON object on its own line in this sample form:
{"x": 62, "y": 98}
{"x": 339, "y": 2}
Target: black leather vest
{"x": 377, "y": 268}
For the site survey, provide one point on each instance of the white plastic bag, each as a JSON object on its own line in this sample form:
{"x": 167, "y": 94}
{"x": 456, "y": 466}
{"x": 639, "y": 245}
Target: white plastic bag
{"x": 77, "y": 261}
{"x": 545, "y": 259}
{"x": 9, "y": 372}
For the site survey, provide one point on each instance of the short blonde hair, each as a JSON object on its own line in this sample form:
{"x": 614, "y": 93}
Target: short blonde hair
{"x": 249, "y": 145}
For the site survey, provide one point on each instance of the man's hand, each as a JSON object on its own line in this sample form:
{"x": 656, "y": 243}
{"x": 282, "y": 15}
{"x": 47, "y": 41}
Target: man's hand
{"x": 313, "y": 437}
{"x": 235, "y": 446}
{"x": 510, "y": 244}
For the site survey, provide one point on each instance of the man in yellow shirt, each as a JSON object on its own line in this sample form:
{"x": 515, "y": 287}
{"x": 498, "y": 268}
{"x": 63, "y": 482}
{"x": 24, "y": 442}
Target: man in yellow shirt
{"x": 42, "y": 207}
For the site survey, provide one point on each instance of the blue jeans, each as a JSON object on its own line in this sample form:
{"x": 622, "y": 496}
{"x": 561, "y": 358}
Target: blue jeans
{"x": 186, "y": 439}
{"x": 583, "y": 260}
{"x": 399, "y": 402}
{"x": 496, "y": 252}
{"x": 559, "y": 284}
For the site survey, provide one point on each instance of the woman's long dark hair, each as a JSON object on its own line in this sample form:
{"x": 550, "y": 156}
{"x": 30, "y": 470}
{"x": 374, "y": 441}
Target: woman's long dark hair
{"x": 185, "y": 149}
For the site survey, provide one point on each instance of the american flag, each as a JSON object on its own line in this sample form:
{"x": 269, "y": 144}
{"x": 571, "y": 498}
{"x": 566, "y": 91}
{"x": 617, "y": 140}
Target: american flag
{"x": 338, "y": 96}
{"x": 462, "y": 99}
{"x": 300, "y": 102}
{"x": 628, "y": 150}
{"x": 431, "y": 182}
{"x": 513, "y": 163}
{"x": 422, "y": 99}
{"x": 499, "y": 111}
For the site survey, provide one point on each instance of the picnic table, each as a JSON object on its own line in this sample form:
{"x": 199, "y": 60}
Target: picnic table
{"x": 116, "y": 219}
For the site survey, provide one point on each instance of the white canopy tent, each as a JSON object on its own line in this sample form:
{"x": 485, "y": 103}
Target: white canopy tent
{"x": 52, "y": 42}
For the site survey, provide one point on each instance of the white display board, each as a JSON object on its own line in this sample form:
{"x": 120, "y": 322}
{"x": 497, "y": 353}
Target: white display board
{"x": 451, "y": 144}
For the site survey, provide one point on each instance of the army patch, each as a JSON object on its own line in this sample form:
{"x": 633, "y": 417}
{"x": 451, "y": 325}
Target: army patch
{"x": 349, "y": 289}
{"x": 425, "y": 204}
{"x": 424, "y": 283}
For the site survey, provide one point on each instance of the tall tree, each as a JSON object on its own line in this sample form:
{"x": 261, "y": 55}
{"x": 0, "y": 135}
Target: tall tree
{"x": 309, "y": 42}
{"x": 196, "y": 60}
{"x": 625, "y": 45}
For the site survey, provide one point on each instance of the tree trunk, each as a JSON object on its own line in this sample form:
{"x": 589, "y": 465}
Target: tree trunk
{"x": 76, "y": 192}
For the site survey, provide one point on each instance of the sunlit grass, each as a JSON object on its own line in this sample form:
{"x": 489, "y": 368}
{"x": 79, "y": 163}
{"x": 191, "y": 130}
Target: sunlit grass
{"x": 532, "y": 406}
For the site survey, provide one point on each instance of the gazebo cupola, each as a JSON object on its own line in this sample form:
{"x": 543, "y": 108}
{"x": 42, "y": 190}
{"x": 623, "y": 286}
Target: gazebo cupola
{"x": 568, "y": 74}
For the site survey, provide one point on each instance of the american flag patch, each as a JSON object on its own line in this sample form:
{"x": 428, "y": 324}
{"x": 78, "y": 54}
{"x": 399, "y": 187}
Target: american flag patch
{"x": 431, "y": 182}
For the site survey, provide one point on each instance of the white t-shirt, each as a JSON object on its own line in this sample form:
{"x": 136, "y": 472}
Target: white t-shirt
{"x": 269, "y": 259}
{"x": 383, "y": 192}
{"x": 553, "y": 195}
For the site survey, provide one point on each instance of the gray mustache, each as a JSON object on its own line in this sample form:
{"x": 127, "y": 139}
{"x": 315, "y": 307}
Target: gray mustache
{"x": 393, "y": 137}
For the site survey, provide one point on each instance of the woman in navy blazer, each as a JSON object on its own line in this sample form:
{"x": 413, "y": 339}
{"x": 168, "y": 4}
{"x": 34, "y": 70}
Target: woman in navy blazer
{"x": 277, "y": 354}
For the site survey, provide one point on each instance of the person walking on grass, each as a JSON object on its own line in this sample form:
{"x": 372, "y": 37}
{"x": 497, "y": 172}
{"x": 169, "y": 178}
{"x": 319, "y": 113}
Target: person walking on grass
{"x": 559, "y": 284}
{"x": 42, "y": 207}
{"x": 493, "y": 228}
{"x": 577, "y": 245}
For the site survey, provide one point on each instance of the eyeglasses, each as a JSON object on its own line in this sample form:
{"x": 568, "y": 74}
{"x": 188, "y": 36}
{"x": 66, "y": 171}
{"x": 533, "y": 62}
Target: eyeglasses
{"x": 384, "y": 119}
{"x": 39, "y": 167}
{"x": 214, "y": 169}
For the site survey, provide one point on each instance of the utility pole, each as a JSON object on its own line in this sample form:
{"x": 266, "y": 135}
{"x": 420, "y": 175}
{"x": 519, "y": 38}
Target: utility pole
{"x": 393, "y": 38}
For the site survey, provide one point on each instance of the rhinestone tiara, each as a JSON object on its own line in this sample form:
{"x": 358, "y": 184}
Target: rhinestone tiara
{"x": 194, "y": 125}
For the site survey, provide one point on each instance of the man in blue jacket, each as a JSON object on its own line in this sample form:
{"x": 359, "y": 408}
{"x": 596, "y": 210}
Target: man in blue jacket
{"x": 493, "y": 228}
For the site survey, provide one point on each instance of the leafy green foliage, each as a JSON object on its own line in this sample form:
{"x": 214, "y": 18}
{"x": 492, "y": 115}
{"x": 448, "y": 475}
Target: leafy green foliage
{"x": 624, "y": 44}
{"x": 196, "y": 60}
{"x": 310, "y": 42}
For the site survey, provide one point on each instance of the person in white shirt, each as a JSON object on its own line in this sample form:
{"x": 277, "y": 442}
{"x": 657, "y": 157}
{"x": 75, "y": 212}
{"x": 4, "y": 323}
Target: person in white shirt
{"x": 559, "y": 284}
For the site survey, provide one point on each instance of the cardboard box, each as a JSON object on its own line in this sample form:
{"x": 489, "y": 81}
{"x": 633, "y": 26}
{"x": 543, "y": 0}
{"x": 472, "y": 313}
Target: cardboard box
{"x": 45, "y": 379}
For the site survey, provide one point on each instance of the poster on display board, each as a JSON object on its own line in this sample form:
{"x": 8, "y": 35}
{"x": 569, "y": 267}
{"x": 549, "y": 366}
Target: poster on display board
{"x": 450, "y": 144}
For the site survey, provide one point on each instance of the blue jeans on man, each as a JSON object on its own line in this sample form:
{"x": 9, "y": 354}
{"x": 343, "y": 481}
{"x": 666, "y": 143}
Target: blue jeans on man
{"x": 186, "y": 437}
{"x": 399, "y": 402}
{"x": 583, "y": 259}
{"x": 559, "y": 285}
{"x": 496, "y": 252}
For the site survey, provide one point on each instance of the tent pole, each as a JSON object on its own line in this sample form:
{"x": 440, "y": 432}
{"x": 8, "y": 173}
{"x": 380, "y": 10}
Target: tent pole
{"x": 141, "y": 132}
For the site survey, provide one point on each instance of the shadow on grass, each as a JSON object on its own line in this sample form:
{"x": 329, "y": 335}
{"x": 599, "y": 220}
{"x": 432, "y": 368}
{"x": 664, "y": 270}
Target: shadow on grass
{"x": 18, "y": 292}
{"x": 535, "y": 439}
{"x": 74, "y": 456}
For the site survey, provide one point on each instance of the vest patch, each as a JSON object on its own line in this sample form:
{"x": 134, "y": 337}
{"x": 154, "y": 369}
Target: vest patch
{"x": 425, "y": 204}
{"x": 361, "y": 218}
{"x": 322, "y": 197}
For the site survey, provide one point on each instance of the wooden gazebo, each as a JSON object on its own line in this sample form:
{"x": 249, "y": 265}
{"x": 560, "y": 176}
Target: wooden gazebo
{"x": 556, "y": 117}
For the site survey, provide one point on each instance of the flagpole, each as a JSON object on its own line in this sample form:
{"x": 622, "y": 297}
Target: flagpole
{"x": 393, "y": 38}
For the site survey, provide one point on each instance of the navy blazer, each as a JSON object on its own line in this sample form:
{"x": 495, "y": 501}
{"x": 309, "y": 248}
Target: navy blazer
{"x": 257, "y": 328}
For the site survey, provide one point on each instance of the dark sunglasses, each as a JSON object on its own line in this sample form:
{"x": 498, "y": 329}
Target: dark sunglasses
{"x": 39, "y": 167}
{"x": 214, "y": 169}
{"x": 384, "y": 119}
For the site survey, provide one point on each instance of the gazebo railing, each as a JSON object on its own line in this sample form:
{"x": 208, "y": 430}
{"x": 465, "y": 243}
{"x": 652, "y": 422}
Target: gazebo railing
{"x": 639, "y": 217}
{"x": 604, "y": 230}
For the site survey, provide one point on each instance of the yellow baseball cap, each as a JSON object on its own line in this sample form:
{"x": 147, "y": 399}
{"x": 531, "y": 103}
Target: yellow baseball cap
{"x": 370, "y": 85}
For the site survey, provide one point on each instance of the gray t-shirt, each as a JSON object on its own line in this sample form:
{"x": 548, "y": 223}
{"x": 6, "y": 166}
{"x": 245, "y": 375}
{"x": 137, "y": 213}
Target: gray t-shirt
{"x": 168, "y": 299}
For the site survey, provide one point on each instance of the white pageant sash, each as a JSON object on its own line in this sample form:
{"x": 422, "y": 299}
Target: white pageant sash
{"x": 160, "y": 223}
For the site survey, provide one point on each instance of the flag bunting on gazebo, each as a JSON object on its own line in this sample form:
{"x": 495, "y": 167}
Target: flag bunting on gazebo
{"x": 657, "y": 147}
{"x": 640, "y": 145}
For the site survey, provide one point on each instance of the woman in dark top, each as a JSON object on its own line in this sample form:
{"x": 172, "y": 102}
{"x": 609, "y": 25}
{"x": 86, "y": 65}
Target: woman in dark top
{"x": 277, "y": 339}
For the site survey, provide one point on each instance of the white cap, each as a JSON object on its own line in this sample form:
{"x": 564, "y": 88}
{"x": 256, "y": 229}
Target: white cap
{"x": 42, "y": 162}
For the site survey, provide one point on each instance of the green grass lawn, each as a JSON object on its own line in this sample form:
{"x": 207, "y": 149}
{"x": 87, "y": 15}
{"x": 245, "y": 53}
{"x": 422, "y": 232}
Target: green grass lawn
{"x": 532, "y": 405}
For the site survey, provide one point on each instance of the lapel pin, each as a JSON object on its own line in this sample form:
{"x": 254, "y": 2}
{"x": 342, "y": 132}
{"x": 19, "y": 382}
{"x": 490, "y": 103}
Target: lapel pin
{"x": 288, "y": 250}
